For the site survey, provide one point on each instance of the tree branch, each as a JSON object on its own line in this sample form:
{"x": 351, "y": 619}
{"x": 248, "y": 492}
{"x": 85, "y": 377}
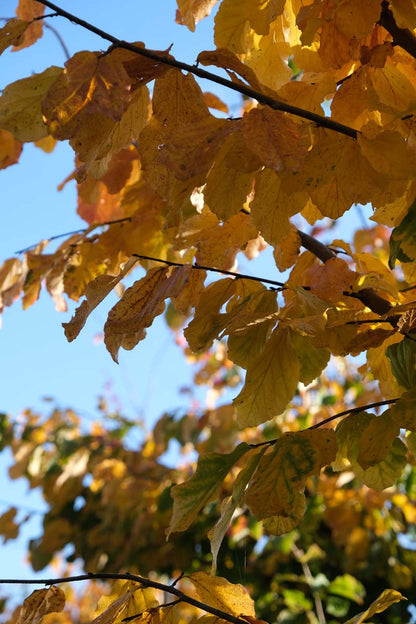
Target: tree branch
{"x": 212, "y": 269}
{"x": 320, "y": 120}
{"x": 352, "y": 410}
{"x": 401, "y": 36}
{"x": 144, "y": 582}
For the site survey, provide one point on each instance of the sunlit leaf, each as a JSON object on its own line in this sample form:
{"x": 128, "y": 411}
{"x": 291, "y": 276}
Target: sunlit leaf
{"x": 383, "y": 602}
{"x": 221, "y": 594}
{"x": 270, "y": 383}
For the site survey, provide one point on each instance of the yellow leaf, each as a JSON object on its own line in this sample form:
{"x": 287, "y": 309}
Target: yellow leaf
{"x": 127, "y": 599}
{"x": 91, "y": 84}
{"x": 271, "y": 381}
{"x": 192, "y": 11}
{"x": 383, "y": 602}
{"x": 389, "y": 153}
{"x": 40, "y": 603}
{"x": 208, "y": 322}
{"x": 312, "y": 359}
{"x": 276, "y": 487}
{"x": 219, "y": 593}
{"x": 279, "y": 525}
{"x": 224, "y": 58}
{"x": 404, "y": 12}
{"x": 12, "y": 33}
{"x": 95, "y": 292}
{"x": 230, "y": 179}
{"x": 331, "y": 280}
{"x": 10, "y": 149}
{"x": 99, "y": 137}
{"x": 127, "y": 320}
{"x": 20, "y": 105}
{"x": 376, "y": 440}
{"x": 355, "y": 19}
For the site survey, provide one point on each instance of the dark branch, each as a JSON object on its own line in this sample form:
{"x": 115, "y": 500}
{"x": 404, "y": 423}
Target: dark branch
{"x": 222, "y": 271}
{"x": 320, "y": 120}
{"x": 401, "y": 36}
{"x": 144, "y": 582}
{"x": 352, "y": 410}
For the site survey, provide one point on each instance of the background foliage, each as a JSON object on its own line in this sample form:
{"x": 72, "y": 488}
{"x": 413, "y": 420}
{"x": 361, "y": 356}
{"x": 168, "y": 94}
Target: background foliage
{"x": 304, "y": 485}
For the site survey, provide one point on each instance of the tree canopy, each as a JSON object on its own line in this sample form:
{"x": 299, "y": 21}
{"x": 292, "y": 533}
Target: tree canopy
{"x": 304, "y": 486}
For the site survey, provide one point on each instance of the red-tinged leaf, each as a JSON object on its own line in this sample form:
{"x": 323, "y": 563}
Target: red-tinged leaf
{"x": 29, "y": 10}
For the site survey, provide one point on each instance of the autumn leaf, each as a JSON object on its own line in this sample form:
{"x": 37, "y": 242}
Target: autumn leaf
{"x": 276, "y": 488}
{"x": 191, "y": 496}
{"x": 40, "y": 603}
{"x": 219, "y": 593}
{"x": 12, "y": 33}
{"x": 385, "y": 600}
{"x": 8, "y": 527}
{"x": 128, "y": 319}
{"x": 20, "y": 105}
{"x": 270, "y": 383}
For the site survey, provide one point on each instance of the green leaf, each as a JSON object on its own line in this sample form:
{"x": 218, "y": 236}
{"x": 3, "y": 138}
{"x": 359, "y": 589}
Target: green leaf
{"x": 276, "y": 489}
{"x": 403, "y": 239}
{"x": 402, "y": 357}
{"x": 191, "y": 496}
{"x": 216, "y": 534}
{"x": 349, "y": 587}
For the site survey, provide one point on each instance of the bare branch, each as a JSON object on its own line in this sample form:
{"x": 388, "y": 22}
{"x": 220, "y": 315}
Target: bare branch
{"x": 222, "y": 271}
{"x": 320, "y": 120}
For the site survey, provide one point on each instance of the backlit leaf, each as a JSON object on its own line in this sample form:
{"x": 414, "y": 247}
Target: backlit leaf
{"x": 270, "y": 383}
{"x": 219, "y": 593}
{"x": 376, "y": 440}
{"x": 20, "y": 105}
{"x": 383, "y": 602}
{"x": 402, "y": 358}
{"x": 191, "y": 496}
{"x": 192, "y": 11}
{"x": 140, "y": 304}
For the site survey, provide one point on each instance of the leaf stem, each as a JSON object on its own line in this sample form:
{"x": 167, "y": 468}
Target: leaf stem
{"x": 262, "y": 98}
{"x": 143, "y": 581}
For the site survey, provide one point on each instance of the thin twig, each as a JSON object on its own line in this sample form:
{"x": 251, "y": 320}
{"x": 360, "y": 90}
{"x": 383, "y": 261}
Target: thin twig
{"x": 299, "y": 554}
{"x": 352, "y": 410}
{"x": 143, "y": 581}
{"x": 320, "y": 120}
{"x": 214, "y": 270}
{"x": 60, "y": 39}
{"x": 80, "y": 231}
